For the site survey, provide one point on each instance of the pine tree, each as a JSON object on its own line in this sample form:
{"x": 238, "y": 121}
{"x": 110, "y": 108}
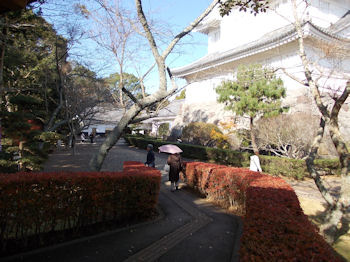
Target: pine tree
{"x": 256, "y": 92}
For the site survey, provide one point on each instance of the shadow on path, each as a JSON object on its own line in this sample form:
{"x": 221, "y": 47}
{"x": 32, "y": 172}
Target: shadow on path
{"x": 190, "y": 229}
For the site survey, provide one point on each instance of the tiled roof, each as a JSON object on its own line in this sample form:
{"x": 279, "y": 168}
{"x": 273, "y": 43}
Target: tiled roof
{"x": 269, "y": 41}
{"x": 341, "y": 24}
{"x": 170, "y": 111}
{"x": 107, "y": 115}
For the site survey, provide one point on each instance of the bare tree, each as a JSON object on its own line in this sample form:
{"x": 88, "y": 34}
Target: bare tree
{"x": 162, "y": 92}
{"x": 115, "y": 31}
{"x": 314, "y": 79}
{"x": 287, "y": 135}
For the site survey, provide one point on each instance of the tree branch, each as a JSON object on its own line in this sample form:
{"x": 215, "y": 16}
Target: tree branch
{"x": 143, "y": 118}
{"x": 130, "y": 95}
{"x": 292, "y": 76}
{"x": 307, "y": 72}
{"x": 188, "y": 29}
{"x": 341, "y": 100}
{"x": 152, "y": 43}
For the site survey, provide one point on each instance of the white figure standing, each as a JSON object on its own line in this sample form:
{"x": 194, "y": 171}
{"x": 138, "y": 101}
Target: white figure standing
{"x": 255, "y": 163}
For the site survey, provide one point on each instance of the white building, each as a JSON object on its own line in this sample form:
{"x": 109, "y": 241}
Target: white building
{"x": 107, "y": 117}
{"x": 103, "y": 121}
{"x": 270, "y": 39}
{"x": 166, "y": 115}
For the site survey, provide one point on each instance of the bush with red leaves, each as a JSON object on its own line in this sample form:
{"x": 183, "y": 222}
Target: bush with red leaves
{"x": 275, "y": 227}
{"x": 32, "y": 204}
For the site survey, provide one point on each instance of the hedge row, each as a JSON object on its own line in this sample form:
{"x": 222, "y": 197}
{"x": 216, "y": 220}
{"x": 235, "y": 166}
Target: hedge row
{"x": 35, "y": 204}
{"x": 275, "y": 227}
{"x": 294, "y": 168}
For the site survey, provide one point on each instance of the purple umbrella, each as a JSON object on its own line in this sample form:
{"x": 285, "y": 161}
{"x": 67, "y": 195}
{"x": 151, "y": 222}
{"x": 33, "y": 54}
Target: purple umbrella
{"x": 171, "y": 149}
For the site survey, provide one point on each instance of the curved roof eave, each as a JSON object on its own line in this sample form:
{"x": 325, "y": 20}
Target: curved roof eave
{"x": 285, "y": 35}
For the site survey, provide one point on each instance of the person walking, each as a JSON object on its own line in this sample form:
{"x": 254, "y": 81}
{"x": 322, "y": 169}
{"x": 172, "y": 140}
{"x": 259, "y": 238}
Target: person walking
{"x": 150, "y": 161}
{"x": 176, "y": 165}
{"x": 255, "y": 163}
{"x": 92, "y": 136}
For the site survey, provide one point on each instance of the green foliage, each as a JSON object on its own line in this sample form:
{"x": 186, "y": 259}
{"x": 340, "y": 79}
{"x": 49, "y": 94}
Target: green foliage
{"x": 130, "y": 83}
{"x": 256, "y": 92}
{"x": 182, "y": 95}
{"x": 254, "y": 6}
{"x": 163, "y": 130}
{"x": 203, "y": 134}
{"x": 278, "y": 166}
{"x": 25, "y": 101}
{"x": 6, "y": 163}
{"x": 49, "y": 137}
{"x": 35, "y": 69}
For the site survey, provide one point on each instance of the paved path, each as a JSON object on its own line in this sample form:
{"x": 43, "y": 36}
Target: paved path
{"x": 190, "y": 229}
{"x": 307, "y": 188}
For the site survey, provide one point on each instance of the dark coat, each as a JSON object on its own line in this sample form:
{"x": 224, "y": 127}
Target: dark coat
{"x": 175, "y": 163}
{"x": 150, "y": 159}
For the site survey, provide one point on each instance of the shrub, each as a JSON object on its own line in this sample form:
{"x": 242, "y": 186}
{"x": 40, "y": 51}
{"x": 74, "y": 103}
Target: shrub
{"x": 35, "y": 204}
{"x": 163, "y": 129}
{"x": 293, "y": 168}
{"x": 204, "y": 134}
{"x": 275, "y": 227}
{"x": 287, "y": 135}
{"x": 49, "y": 137}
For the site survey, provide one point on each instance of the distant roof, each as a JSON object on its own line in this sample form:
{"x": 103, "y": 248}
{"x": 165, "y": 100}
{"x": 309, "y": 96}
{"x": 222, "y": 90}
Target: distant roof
{"x": 341, "y": 24}
{"x": 107, "y": 115}
{"x": 170, "y": 111}
{"x": 268, "y": 41}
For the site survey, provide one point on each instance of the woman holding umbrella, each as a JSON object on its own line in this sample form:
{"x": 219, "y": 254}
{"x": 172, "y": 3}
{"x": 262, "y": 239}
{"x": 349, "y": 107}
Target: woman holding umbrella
{"x": 175, "y": 164}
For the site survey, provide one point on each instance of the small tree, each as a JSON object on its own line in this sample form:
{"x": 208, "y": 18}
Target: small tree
{"x": 255, "y": 93}
{"x": 131, "y": 83}
{"x": 287, "y": 135}
{"x": 204, "y": 134}
{"x": 163, "y": 130}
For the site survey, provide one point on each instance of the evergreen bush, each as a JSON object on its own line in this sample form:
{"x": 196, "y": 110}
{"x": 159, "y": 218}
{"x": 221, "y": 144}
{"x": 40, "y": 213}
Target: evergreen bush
{"x": 277, "y": 166}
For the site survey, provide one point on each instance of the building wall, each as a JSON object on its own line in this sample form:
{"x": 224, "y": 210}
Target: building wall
{"x": 201, "y": 105}
{"x": 240, "y": 27}
{"x": 100, "y": 128}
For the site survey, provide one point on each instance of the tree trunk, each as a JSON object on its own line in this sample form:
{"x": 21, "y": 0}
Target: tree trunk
{"x": 340, "y": 208}
{"x": 311, "y": 167}
{"x": 3, "y": 36}
{"x": 98, "y": 159}
{"x": 337, "y": 208}
{"x": 162, "y": 93}
{"x": 121, "y": 85}
{"x": 252, "y": 136}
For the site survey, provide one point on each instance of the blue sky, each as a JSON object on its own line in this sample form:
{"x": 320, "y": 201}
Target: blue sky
{"x": 176, "y": 13}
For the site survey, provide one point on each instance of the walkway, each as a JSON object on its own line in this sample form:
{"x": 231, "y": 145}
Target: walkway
{"x": 189, "y": 229}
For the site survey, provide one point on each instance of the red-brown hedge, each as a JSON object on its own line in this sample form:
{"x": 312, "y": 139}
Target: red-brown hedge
{"x": 275, "y": 227}
{"x": 35, "y": 203}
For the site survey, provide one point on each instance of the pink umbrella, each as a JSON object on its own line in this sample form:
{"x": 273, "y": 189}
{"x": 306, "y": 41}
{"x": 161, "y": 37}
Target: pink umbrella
{"x": 171, "y": 149}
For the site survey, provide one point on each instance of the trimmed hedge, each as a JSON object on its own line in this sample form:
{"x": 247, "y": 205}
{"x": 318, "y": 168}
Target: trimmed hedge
{"x": 275, "y": 227}
{"x": 278, "y": 166}
{"x": 35, "y": 204}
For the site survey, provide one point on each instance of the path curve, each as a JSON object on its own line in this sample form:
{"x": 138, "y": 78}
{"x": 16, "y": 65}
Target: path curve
{"x": 191, "y": 229}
